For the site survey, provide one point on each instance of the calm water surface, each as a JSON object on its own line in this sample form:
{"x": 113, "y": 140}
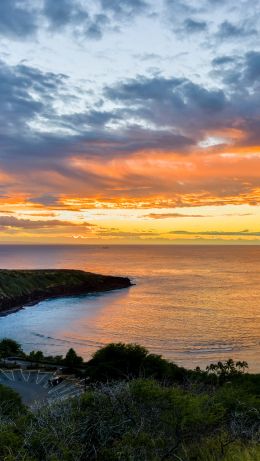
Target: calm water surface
{"x": 192, "y": 304}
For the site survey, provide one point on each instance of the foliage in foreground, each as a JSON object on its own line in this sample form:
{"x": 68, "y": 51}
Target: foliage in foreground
{"x": 139, "y": 407}
{"x": 139, "y": 420}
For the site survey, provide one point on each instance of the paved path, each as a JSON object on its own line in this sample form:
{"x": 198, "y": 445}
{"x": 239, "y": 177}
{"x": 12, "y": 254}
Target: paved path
{"x": 33, "y": 386}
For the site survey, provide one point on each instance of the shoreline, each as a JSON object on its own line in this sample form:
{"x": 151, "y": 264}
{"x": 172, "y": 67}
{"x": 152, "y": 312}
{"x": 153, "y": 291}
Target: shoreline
{"x": 34, "y": 286}
{"x": 13, "y": 310}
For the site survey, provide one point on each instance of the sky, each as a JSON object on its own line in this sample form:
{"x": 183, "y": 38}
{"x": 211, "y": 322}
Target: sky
{"x": 130, "y": 121}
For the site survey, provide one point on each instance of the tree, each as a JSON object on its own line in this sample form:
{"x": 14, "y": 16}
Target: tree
{"x": 9, "y": 347}
{"x": 118, "y": 361}
{"x": 36, "y": 356}
{"x": 72, "y": 360}
{"x": 226, "y": 369}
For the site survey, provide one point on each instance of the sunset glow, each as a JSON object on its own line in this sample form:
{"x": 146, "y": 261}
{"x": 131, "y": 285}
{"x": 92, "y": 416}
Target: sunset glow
{"x": 146, "y": 130}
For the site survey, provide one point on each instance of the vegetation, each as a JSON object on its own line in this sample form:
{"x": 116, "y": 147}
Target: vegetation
{"x": 127, "y": 361}
{"x": 72, "y": 360}
{"x": 18, "y": 287}
{"x": 9, "y": 347}
{"x": 10, "y": 402}
{"x": 140, "y": 407}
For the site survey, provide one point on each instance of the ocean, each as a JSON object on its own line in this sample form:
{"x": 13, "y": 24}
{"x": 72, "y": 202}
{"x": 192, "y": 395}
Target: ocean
{"x": 192, "y": 304}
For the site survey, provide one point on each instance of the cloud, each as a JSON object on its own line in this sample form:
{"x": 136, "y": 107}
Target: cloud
{"x": 144, "y": 88}
{"x": 74, "y": 16}
{"x": 62, "y": 13}
{"x": 238, "y": 214}
{"x": 11, "y": 222}
{"x": 125, "y": 8}
{"x": 17, "y": 19}
{"x": 192, "y": 109}
{"x": 174, "y": 103}
{"x": 223, "y": 60}
{"x": 26, "y": 93}
{"x": 173, "y": 215}
{"x": 181, "y": 215}
{"x": 193, "y": 27}
{"x": 44, "y": 214}
{"x": 184, "y": 135}
{"x": 217, "y": 233}
{"x": 23, "y": 19}
{"x": 179, "y": 8}
{"x": 178, "y": 93}
{"x": 216, "y": 23}
{"x": 45, "y": 199}
{"x": 252, "y": 67}
{"x": 28, "y": 119}
{"x": 149, "y": 128}
{"x": 126, "y": 234}
{"x": 227, "y": 30}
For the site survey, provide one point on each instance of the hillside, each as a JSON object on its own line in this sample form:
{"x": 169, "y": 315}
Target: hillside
{"x": 20, "y": 287}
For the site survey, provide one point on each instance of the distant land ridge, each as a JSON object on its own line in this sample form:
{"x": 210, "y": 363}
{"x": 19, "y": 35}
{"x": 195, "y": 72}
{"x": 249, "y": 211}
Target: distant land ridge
{"x": 23, "y": 287}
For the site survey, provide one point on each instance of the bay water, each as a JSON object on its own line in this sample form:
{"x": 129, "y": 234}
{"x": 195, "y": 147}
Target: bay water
{"x": 192, "y": 304}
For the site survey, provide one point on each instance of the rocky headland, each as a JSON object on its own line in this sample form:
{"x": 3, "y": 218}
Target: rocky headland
{"x": 22, "y": 287}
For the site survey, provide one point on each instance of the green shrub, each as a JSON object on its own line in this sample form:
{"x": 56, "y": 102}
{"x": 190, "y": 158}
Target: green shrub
{"x": 127, "y": 361}
{"x": 9, "y": 347}
{"x": 10, "y": 402}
